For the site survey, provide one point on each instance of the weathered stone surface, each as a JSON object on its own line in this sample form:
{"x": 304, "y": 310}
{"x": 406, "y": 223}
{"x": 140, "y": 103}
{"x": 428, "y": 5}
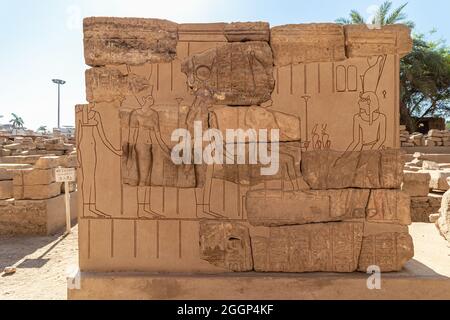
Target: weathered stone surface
{"x": 233, "y": 74}
{"x": 276, "y": 208}
{"x": 36, "y": 192}
{"x": 366, "y": 169}
{"x": 330, "y": 247}
{"x": 47, "y": 162}
{"x": 438, "y": 179}
{"x": 6, "y": 189}
{"x": 226, "y": 245}
{"x": 416, "y": 184}
{"x": 34, "y": 217}
{"x": 388, "y": 250}
{"x": 21, "y": 160}
{"x": 147, "y": 162}
{"x": 430, "y": 165}
{"x": 106, "y": 84}
{"x": 364, "y": 42}
{"x": 443, "y": 223}
{"x": 256, "y": 118}
{"x": 303, "y": 43}
{"x": 69, "y": 161}
{"x": 30, "y": 177}
{"x": 129, "y": 41}
{"x": 5, "y": 174}
{"x": 389, "y": 206}
{"x": 288, "y": 169}
{"x": 247, "y": 31}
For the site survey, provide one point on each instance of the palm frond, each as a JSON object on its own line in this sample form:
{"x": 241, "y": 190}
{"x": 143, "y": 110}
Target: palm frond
{"x": 382, "y": 13}
{"x": 356, "y": 17}
{"x": 397, "y": 15}
{"x": 343, "y": 21}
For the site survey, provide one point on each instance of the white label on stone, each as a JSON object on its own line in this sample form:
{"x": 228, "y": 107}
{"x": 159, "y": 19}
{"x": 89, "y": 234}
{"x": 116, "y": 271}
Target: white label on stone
{"x": 65, "y": 174}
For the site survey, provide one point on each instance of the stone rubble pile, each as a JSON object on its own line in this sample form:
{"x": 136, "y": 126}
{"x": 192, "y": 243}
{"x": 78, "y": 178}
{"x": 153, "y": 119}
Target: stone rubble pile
{"x": 29, "y": 193}
{"x": 425, "y": 180}
{"x": 434, "y": 138}
{"x": 57, "y": 146}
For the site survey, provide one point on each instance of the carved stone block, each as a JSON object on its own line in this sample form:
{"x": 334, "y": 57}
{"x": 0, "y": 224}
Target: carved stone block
{"x": 362, "y": 41}
{"x": 105, "y": 84}
{"x": 236, "y": 73}
{"x": 36, "y": 192}
{"x": 247, "y": 31}
{"x": 226, "y": 245}
{"x": 6, "y": 189}
{"x": 256, "y": 118}
{"x": 389, "y": 206}
{"x": 275, "y": 208}
{"x": 365, "y": 169}
{"x": 304, "y": 43}
{"x": 29, "y": 177}
{"x": 389, "y": 251}
{"x": 129, "y": 41}
{"x": 330, "y": 247}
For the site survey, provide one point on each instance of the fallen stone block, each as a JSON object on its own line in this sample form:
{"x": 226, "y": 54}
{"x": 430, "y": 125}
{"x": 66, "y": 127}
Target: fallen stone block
{"x": 47, "y": 163}
{"x": 443, "y": 222}
{"x": 31, "y": 177}
{"x": 416, "y": 184}
{"x": 36, "y": 192}
{"x": 35, "y": 217}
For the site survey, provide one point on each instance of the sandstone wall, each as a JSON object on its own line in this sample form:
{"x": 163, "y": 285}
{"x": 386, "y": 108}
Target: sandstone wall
{"x": 332, "y": 91}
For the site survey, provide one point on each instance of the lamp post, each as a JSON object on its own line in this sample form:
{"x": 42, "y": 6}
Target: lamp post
{"x": 59, "y": 83}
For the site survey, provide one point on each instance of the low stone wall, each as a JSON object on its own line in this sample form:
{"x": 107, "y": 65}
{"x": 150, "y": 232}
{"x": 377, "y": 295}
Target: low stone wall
{"x": 30, "y": 198}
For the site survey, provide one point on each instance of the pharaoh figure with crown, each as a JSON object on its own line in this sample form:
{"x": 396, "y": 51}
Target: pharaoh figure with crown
{"x": 369, "y": 124}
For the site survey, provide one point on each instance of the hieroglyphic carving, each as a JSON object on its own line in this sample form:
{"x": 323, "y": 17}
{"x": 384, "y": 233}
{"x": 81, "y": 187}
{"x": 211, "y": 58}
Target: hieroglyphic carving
{"x": 389, "y": 251}
{"x": 330, "y": 247}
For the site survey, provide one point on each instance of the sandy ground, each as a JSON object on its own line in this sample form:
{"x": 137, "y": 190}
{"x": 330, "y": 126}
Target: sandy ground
{"x": 42, "y": 265}
{"x": 43, "y": 262}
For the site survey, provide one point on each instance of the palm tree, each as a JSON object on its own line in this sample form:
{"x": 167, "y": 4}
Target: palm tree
{"x": 42, "y": 129}
{"x": 383, "y": 16}
{"x": 17, "y": 122}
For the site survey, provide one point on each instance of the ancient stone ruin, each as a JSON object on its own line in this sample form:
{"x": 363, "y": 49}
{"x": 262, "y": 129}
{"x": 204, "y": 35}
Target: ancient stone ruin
{"x": 332, "y": 91}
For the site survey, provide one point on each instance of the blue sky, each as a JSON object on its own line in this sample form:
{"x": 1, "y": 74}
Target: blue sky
{"x": 42, "y": 40}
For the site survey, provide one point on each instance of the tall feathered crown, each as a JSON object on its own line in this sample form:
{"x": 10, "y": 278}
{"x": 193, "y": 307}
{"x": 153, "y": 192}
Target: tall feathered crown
{"x": 371, "y": 78}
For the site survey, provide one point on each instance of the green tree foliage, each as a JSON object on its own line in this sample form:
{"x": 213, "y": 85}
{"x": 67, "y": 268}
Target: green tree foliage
{"x": 16, "y": 121}
{"x": 424, "y": 73}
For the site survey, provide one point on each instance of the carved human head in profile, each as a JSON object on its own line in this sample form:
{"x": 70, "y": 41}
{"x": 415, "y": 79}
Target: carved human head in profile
{"x": 145, "y": 97}
{"x": 368, "y": 105}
